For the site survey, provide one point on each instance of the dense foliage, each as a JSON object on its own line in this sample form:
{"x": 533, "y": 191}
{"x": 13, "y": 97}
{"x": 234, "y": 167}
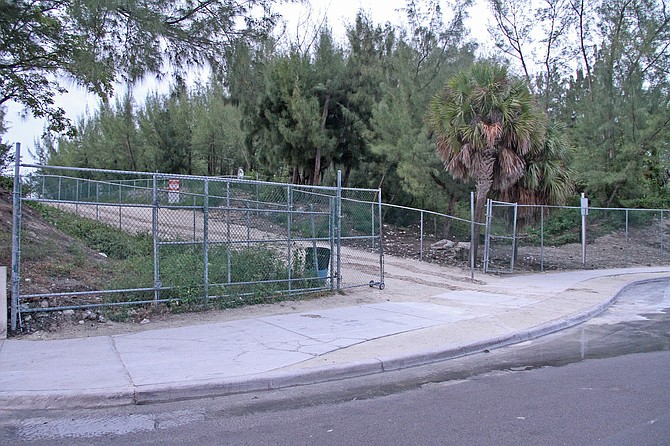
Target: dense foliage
{"x": 97, "y": 42}
{"x": 590, "y": 78}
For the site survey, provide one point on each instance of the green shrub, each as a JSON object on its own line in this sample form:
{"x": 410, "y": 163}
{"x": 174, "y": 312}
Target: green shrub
{"x": 101, "y": 237}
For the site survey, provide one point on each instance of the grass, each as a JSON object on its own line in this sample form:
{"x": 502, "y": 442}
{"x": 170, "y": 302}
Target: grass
{"x": 237, "y": 277}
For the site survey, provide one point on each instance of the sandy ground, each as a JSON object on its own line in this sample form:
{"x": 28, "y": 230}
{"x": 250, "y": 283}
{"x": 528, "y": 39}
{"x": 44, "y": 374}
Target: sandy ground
{"x": 405, "y": 280}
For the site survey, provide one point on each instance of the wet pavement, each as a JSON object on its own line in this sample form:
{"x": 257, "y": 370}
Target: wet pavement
{"x": 638, "y": 322}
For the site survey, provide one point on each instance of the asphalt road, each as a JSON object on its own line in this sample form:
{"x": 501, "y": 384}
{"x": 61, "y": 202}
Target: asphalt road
{"x": 604, "y": 382}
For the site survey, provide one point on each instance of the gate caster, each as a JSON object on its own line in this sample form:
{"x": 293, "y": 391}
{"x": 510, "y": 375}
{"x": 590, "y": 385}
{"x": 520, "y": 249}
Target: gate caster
{"x": 380, "y": 284}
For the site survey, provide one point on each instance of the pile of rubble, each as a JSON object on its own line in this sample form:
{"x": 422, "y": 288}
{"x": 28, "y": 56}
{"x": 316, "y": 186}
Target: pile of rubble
{"x": 459, "y": 250}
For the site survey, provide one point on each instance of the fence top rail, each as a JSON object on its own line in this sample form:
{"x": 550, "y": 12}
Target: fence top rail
{"x": 429, "y": 212}
{"x": 591, "y": 208}
{"x": 186, "y": 177}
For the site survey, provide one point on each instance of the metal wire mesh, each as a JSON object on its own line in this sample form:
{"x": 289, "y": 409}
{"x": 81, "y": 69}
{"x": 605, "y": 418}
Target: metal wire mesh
{"x": 186, "y": 238}
{"x": 550, "y": 237}
{"x": 426, "y": 236}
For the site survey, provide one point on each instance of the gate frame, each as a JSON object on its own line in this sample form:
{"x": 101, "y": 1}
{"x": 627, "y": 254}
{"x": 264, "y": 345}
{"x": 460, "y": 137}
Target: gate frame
{"x": 490, "y": 204}
{"x": 335, "y": 236}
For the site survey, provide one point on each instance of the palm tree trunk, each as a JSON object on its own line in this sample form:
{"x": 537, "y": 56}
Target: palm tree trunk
{"x": 484, "y": 182}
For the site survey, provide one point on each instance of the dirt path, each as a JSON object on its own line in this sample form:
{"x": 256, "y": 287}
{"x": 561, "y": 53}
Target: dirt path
{"x": 405, "y": 280}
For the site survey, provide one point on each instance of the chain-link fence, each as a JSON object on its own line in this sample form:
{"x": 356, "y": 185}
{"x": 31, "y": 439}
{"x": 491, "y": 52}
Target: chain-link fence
{"x": 428, "y": 236}
{"x": 526, "y": 238}
{"x": 169, "y": 238}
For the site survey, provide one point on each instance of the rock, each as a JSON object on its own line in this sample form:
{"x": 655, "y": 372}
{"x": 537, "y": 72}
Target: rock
{"x": 102, "y": 319}
{"x": 68, "y": 312}
{"x": 44, "y": 303}
{"x": 81, "y": 322}
{"x": 27, "y": 318}
{"x": 443, "y": 244}
{"x": 93, "y": 316}
{"x": 462, "y": 246}
{"x": 144, "y": 321}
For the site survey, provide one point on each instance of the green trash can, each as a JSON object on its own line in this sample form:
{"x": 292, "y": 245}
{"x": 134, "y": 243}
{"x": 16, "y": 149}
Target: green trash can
{"x": 320, "y": 264}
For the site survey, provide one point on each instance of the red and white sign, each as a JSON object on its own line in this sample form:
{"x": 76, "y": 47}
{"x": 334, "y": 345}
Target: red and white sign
{"x": 173, "y": 191}
{"x": 173, "y": 185}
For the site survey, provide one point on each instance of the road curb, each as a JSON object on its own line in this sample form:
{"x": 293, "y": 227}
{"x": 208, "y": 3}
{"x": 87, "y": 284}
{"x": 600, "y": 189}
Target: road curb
{"x": 278, "y": 380}
{"x": 66, "y": 399}
{"x": 265, "y": 381}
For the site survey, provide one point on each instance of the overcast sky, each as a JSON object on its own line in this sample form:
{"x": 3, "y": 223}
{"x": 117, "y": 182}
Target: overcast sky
{"x": 338, "y": 12}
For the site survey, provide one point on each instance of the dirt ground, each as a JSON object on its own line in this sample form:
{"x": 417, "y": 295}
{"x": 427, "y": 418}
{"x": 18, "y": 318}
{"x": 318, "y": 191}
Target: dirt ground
{"x": 441, "y": 269}
{"x": 405, "y": 279}
{"x": 643, "y": 246}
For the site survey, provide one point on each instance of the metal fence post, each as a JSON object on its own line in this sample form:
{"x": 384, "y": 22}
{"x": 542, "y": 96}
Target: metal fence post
{"x": 154, "y": 231}
{"x": 372, "y": 218}
{"x": 97, "y": 201}
{"x": 542, "y": 238}
{"x": 228, "y": 237}
{"x": 3, "y": 302}
{"x": 381, "y": 241}
{"x": 248, "y": 215}
{"x": 421, "y": 237}
{"x": 205, "y": 240}
{"x": 338, "y": 223}
{"x": 76, "y": 197}
{"x": 289, "y": 218}
{"x": 120, "y": 206}
{"x": 331, "y": 236}
{"x": 584, "y": 212}
{"x": 472, "y": 235}
{"x": 514, "y": 239}
{"x": 487, "y": 234}
{"x": 258, "y": 198}
{"x": 626, "y": 256}
{"x": 16, "y": 237}
{"x": 316, "y": 258}
{"x": 662, "y": 231}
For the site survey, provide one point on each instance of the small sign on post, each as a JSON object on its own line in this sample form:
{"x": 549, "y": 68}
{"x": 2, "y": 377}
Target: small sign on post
{"x": 585, "y": 206}
{"x": 585, "y": 212}
{"x": 173, "y": 191}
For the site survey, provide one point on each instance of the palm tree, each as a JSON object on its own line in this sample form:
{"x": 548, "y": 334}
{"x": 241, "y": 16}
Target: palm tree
{"x": 486, "y": 123}
{"x": 547, "y": 179}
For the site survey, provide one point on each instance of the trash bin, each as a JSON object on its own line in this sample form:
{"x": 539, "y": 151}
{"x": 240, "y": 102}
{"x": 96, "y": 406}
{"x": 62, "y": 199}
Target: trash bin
{"x": 320, "y": 264}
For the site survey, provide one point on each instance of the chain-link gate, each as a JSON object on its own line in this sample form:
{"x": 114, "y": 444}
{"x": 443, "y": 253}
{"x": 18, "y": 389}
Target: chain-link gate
{"x": 188, "y": 238}
{"x": 500, "y": 237}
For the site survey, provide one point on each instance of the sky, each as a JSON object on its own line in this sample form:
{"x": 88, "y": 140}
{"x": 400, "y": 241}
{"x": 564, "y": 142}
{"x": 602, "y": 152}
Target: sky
{"x": 77, "y": 103}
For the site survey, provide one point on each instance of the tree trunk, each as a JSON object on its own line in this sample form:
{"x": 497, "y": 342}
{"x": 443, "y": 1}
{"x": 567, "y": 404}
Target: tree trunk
{"x": 317, "y": 160}
{"x": 484, "y": 181}
{"x": 133, "y": 165}
{"x": 446, "y": 229}
{"x": 347, "y": 172}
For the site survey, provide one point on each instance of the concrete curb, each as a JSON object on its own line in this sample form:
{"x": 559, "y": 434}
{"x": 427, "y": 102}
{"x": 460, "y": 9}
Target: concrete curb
{"x": 278, "y": 380}
{"x": 266, "y": 381}
{"x": 67, "y": 399}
